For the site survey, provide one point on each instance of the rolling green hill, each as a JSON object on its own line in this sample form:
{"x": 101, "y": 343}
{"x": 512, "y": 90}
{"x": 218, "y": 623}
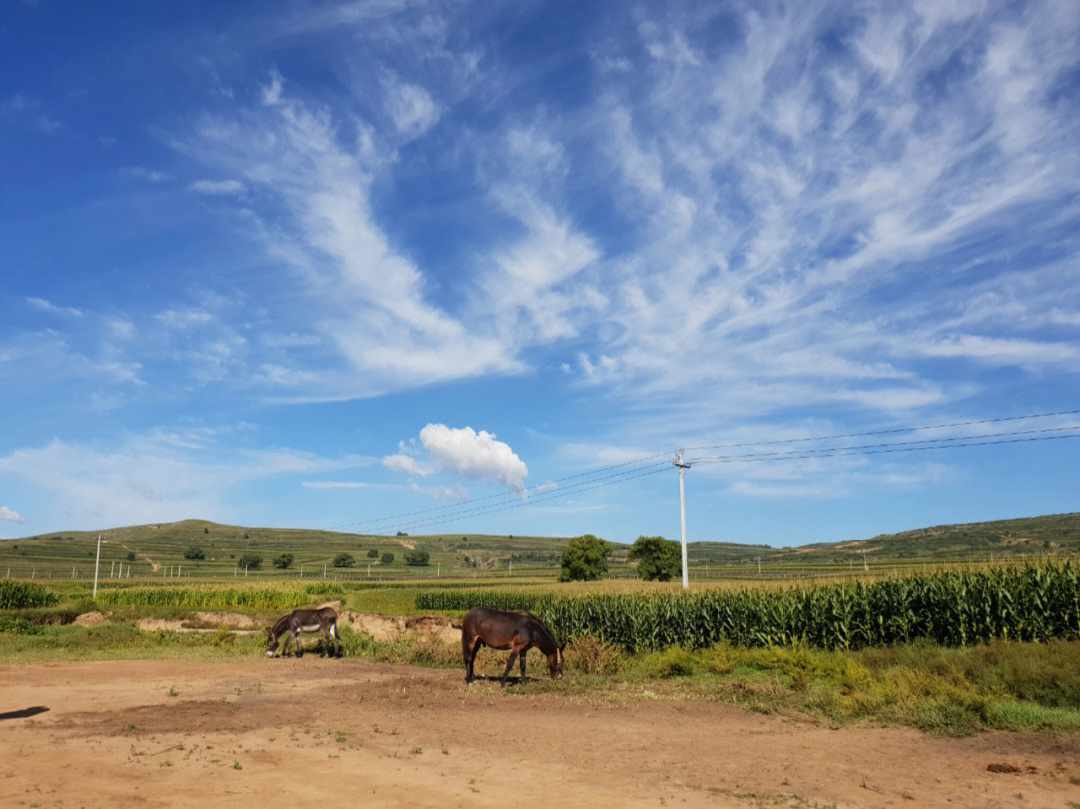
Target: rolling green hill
{"x": 159, "y": 550}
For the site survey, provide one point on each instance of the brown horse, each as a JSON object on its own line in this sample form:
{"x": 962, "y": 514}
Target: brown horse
{"x": 516, "y": 631}
{"x": 298, "y": 621}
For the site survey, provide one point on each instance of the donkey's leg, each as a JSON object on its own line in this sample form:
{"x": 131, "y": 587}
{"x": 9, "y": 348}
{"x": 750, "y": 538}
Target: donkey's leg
{"x": 509, "y": 665}
{"x": 337, "y": 640}
{"x": 523, "y": 653}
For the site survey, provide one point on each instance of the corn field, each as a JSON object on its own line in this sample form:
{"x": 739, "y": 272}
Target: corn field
{"x": 216, "y": 597}
{"x": 1037, "y": 602}
{"x": 15, "y": 595}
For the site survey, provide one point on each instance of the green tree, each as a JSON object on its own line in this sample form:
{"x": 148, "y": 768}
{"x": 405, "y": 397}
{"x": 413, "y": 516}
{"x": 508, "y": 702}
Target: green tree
{"x": 373, "y": 554}
{"x": 658, "y": 559}
{"x": 194, "y": 552}
{"x": 344, "y": 560}
{"x": 131, "y": 556}
{"x": 283, "y": 561}
{"x": 585, "y": 559}
{"x": 417, "y": 558}
{"x": 250, "y": 561}
{"x": 387, "y": 558}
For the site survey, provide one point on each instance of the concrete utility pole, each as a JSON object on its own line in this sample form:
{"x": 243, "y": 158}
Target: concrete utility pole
{"x": 96, "y": 563}
{"x": 682, "y": 513}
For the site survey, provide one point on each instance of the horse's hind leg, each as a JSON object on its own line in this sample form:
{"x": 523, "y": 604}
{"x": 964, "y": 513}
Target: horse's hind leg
{"x": 509, "y": 665}
{"x": 469, "y": 648}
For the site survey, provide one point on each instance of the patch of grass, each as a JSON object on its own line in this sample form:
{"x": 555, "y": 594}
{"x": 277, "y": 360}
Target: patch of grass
{"x": 118, "y": 641}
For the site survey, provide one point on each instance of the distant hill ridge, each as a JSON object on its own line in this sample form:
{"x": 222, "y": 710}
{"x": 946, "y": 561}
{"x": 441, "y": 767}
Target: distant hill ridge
{"x": 152, "y": 546}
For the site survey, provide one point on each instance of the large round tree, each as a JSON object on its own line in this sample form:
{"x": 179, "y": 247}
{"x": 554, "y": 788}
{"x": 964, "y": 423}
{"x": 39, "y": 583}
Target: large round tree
{"x": 585, "y": 559}
{"x": 658, "y": 559}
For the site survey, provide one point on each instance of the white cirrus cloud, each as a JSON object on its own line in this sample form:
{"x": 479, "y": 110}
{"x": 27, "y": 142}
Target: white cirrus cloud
{"x": 217, "y": 187}
{"x": 11, "y": 516}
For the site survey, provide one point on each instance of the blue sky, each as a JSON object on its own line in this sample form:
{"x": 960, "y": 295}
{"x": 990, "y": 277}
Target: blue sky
{"x": 325, "y": 264}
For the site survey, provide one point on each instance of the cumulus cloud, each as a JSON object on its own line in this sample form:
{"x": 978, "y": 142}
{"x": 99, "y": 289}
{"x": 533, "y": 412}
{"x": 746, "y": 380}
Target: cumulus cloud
{"x": 466, "y": 453}
{"x": 10, "y": 516}
{"x": 474, "y": 455}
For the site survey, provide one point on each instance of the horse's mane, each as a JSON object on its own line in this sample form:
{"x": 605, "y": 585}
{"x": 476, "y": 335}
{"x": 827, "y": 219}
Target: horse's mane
{"x": 549, "y": 636}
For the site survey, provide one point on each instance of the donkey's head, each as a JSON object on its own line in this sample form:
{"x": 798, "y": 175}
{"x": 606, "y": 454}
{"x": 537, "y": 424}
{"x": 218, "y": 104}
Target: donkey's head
{"x": 271, "y": 642}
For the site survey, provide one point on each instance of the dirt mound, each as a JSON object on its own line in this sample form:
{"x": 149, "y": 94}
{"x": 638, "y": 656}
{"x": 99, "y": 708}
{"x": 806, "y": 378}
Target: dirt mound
{"x": 394, "y": 627}
{"x": 91, "y": 619}
{"x": 336, "y": 605}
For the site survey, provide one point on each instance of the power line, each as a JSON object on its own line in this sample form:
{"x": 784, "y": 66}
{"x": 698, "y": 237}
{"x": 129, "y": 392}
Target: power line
{"x": 886, "y": 432}
{"x": 538, "y": 488}
{"x": 886, "y": 448}
{"x": 584, "y": 486}
{"x": 539, "y": 493}
{"x": 943, "y": 442}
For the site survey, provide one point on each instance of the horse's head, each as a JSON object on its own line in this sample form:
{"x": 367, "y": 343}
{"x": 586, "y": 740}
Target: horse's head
{"x": 555, "y": 661}
{"x": 271, "y": 643}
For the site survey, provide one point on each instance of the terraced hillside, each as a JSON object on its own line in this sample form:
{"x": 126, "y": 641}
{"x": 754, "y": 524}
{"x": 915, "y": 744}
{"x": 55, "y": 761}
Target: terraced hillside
{"x": 159, "y": 550}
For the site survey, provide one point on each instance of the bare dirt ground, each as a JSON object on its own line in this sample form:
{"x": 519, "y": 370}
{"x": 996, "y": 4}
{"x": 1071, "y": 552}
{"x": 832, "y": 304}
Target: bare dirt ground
{"x": 317, "y": 732}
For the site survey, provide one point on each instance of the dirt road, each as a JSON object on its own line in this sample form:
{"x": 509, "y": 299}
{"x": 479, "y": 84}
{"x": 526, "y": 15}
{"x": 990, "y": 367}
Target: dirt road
{"x": 327, "y": 733}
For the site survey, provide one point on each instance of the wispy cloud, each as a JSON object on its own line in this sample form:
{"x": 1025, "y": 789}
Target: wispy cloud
{"x": 217, "y": 187}
{"x": 10, "y": 516}
{"x": 157, "y": 476}
{"x": 44, "y": 306}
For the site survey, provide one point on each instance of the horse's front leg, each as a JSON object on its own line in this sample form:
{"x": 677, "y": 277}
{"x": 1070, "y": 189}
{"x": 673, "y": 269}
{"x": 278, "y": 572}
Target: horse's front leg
{"x": 509, "y": 665}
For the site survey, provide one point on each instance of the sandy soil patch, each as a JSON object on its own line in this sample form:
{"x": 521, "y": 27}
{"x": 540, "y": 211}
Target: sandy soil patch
{"x": 394, "y": 627}
{"x": 91, "y": 619}
{"x": 315, "y": 732}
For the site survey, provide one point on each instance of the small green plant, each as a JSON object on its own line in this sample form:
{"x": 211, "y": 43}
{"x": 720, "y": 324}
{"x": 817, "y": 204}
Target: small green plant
{"x": 416, "y": 751}
{"x": 236, "y": 765}
{"x": 172, "y": 692}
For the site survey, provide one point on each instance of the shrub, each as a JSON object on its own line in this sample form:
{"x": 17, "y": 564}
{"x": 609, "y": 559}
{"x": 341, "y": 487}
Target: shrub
{"x": 194, "y": 552}
{"x": 585, "y": 559}
{"x": 593, "y": 656}
{"x": 387, "y": 558}
{"x": 417, "y": 558}
{"x": 251, "y": 561}
{"x": 344, "y": 560}
{"x": 373, "y": 554}
{"x": 131, "y": 556}
{"x": 284, "y": 561}
{"x": 17, "y": 625}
